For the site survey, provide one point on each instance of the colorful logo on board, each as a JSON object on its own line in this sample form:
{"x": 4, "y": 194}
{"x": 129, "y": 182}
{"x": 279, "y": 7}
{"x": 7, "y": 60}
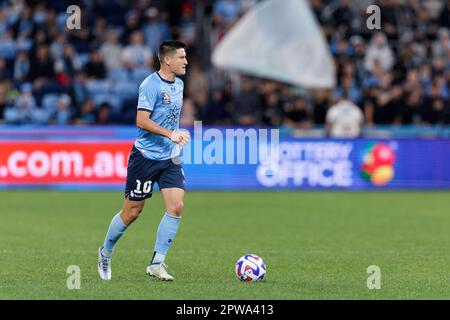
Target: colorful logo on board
{"x": 378, "y": 161}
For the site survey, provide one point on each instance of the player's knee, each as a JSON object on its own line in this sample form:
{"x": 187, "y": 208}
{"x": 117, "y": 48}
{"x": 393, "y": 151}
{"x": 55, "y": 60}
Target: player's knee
{"x": 135, "y": 212}
{"x": 132, "y": 214}
{"x": 176, "y": 208}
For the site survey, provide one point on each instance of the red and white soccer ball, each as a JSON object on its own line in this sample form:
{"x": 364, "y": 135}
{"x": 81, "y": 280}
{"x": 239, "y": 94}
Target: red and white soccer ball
{"x": 250, "y": 267}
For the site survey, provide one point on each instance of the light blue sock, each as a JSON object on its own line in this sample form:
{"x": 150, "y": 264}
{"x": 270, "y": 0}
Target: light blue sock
{"x": 164, "y": 236}
{"x": 115, "y": 231}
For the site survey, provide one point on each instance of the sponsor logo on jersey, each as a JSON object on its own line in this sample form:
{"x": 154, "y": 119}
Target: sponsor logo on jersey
{"x": 165, "y": 98}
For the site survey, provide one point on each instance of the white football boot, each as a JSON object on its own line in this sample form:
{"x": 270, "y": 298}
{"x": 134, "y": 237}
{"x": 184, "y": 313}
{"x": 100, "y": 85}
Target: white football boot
{"x": 104, "y": 266}
{"x": 159, "y": 270}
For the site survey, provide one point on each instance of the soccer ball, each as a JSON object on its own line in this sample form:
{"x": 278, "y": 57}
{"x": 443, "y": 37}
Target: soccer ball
{"x": 250, "y": 267}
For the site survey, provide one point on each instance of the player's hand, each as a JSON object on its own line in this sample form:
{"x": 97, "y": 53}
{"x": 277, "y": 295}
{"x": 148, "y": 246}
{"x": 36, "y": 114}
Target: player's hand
{"x": 180, "y": 137}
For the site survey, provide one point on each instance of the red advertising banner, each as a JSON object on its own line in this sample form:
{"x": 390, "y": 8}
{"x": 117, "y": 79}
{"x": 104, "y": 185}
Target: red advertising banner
{"x": 48, "y": 162}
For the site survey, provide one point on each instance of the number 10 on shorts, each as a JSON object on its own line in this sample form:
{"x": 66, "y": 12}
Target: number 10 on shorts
{"x": 146, "y": 187}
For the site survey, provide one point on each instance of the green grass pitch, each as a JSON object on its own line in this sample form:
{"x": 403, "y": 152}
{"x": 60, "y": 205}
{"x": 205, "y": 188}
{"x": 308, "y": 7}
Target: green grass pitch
{"x": 316, "y": 245}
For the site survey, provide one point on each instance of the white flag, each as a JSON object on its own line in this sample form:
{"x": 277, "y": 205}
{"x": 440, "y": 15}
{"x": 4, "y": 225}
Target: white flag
{"x": 280, "y": 40}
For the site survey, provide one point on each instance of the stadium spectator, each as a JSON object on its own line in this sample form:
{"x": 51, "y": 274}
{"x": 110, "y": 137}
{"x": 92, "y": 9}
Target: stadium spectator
{"x": 24, "y": 110}
{"x": 272, "y": 113}
{"x": 380, "y": 51}
{"x": 21, "y": 67}
{"x": 3, "y": 22}
{"x": 187, "y": 113}
{"x": 383, "y": 105}
{"x": 348, "y": 84}
{"x": 41, "y": 66}
{"x": 321, "y": 102}
{"x": 78, "y": 91}
{"x": 412, "y": 80}
{"x": 86, "y": 114}
{"x": 5, "y": 101}
{"x": 7, "y": 46}
{"x": 104, "y": 114}
{"x": 435, "y": 106}
{"x": 344, "y": 119}
{"x": 111, "y": 50}
{"x": 63, "y": 113}
{"x": 95, "y": 68}
{"x": 132, "y": 24}
{"x": 444, "y": 17}
{"x": 226, "y": 12}
{"x": 57, "y": 47}
{"x": 98, "y": 32}
{"x": 4, "y": 70}
{"x": 388, "y": 18}
{"x": 136, "y": 55}
{"x": 67, "y": 65}
{"x": 24, "y": 26}
{"x": 248, "y": 104}
{"x": 412, "y": 51}
{"x": 296, "y": 114}
{"x": 343, "y": 14}
{"x": 358, "y": 51}
{"x": 410, "y": 111}
{"x": 425, "y": 73}
{"x": 156, "y": 30}
{"x": 441, "y": 44}
{"x": 431, "y": 9}
{"x": 187, "y": 29}
{"x": 80, "y": 39}
{"x": 197, "y": 85}
{"x": 214, "y": 111}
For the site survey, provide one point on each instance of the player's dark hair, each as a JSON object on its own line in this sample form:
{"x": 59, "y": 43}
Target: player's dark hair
{"x": 169, "y": 47}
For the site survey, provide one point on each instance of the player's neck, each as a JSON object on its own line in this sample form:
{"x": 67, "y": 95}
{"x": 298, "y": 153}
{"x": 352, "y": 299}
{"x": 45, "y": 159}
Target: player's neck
{"x": 166, "y": 75}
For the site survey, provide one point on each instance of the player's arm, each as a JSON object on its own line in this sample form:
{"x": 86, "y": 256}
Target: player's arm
{"x": 144, "y": 122}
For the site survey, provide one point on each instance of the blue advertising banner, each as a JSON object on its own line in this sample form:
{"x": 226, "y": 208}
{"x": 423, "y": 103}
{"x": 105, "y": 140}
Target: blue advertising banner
{"x": 224, "y": 159}
{"x": 335, "y": 164}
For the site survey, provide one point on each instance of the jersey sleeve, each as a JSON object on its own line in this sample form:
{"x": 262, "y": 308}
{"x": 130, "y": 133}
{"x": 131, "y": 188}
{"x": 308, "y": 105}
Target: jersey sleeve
{"x": 148, "y": 96}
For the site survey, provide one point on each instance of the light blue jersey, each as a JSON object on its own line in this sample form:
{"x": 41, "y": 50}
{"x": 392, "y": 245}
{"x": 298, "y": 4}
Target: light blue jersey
{"x": 164, "y": 100}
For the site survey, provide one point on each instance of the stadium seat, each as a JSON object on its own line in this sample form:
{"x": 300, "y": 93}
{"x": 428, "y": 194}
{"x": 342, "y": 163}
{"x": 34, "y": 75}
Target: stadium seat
{"x": 49, "y": 101}
{"x": 117, "y": 75}
{"x": 113, "y": 100}
{"x": 98, "y": 87}
{"x": 140, "y": 74}
{"x": 84, "y": 58}
{"x": 24, "y": 44}
{"x": 128, "y": 111}
{"x": 10, "y": 115}
{"x": 126, "y": 90}
{"x": 40, "y": 116}
{"x": 61, "y": 19}
{"x": 12, "y": 17}
{"x": 7, "y": 49}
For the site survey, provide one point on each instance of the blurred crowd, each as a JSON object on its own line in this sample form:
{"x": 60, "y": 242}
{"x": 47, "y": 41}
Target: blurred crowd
{"x": 51, "y": 75}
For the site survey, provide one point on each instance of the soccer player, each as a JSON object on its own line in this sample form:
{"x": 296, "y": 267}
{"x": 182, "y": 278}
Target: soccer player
{"x": 152, "y": 160}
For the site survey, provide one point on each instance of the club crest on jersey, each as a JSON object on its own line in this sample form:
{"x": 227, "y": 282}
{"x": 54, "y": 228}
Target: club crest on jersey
{"x": 165, "y": 98}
